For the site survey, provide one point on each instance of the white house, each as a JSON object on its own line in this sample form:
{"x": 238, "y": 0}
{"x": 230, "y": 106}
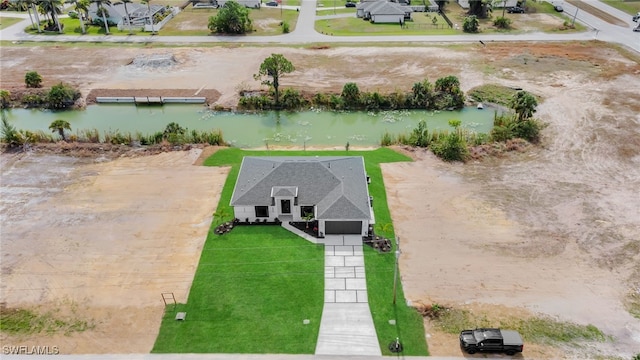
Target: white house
{"x": 333, "y": 189}
{"x": 383, "y": 11}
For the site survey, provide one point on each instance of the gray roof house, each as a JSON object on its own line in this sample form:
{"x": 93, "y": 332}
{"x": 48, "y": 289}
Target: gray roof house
{"x": 382, "y": 11}
{"x": 333, "y": 189}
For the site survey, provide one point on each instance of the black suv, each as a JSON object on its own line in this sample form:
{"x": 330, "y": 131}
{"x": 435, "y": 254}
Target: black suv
{"x": 515, "y": 10}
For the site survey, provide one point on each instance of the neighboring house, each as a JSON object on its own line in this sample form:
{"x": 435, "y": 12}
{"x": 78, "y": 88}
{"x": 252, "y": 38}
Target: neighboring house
{"x": 494, "y": 3}
{"x": 255, "y": 4}
{"x": 334, "y": 189}
{"x": 383, "y": 11}
{"x": 138, "y": 13}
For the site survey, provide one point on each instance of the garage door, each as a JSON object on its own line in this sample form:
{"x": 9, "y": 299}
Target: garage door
{"x": 343, "y": 227}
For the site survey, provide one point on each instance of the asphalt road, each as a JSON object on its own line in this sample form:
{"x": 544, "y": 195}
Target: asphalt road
{"x": 305, "y": 33}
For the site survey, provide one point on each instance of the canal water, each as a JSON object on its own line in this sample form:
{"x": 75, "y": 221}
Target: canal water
{"x": 307, "y": 128}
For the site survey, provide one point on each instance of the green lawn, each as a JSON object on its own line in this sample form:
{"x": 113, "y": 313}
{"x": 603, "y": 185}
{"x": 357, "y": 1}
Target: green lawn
{"x": 628, "y": 6}
{"x": 193, "y": 22}
{"x": 422, "y": 24}
{"x": 8, "y": 21}
{"x": 253, "y": 288}
{"x": 255, "y": 285}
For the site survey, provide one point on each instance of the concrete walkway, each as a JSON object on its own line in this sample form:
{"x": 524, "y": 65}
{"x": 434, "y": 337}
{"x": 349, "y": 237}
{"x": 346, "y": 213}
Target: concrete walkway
{"x": 346, "y": 327}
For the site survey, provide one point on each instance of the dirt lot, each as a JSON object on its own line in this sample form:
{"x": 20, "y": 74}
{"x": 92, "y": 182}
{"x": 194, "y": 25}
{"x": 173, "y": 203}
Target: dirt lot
{"x": 553, "y": 230}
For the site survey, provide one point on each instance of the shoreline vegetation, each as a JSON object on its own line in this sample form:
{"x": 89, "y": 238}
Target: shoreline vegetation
{"x": 512, "y": 130}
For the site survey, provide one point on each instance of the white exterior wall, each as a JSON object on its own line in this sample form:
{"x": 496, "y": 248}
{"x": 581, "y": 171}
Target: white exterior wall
{"x": 382, "y": 19}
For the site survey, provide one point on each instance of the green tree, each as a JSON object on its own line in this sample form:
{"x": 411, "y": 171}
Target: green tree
{"x": 61, "y": 96}
{"x": 77, "y": 7}
{"x": 449, "y": 93}
{"x": 524, "y": 104}
{"x": 100, "y": 4}
{"x": 53, "y": 7}
{"x": 350, "y": 95}
{"x": 32, "y": 79}
{"x": 60, "y": 126}
{"x": 470, "y": 24}
{"x": 422, "y": 95}
{"x": 480, "y": 8}
{"x": 275, "y": 66}
{"x": 5, "y": 98}
{"x": 22, "y": 5}
{"x": 233, "y": 18}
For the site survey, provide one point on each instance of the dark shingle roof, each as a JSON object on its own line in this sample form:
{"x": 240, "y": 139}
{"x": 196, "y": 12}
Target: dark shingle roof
{"x": 336, "y": 185}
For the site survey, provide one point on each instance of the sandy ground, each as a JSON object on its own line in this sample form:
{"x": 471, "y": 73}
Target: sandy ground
{"x": 553, "y": 230}
{"x": 101, "y": 241}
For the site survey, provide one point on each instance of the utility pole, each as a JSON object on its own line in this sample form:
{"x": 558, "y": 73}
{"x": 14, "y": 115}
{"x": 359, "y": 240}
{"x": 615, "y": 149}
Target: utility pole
{"x": 574, "y": 16}
{"x": 395, "y": 270}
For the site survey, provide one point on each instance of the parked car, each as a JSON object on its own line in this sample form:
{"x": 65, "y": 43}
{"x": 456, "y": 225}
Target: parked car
{"x": 491, "y": 340}
{"x": 636, "y": 17}
{"x": 558, "y": 8}
{"x": 350, "y": 4}
{"x": 272, "y": 3}
{"x": 515, "y": 10}
{"x": 637, "y": 28}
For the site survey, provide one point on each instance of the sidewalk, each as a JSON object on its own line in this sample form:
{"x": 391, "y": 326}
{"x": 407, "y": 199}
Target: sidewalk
{"x": 346, "y": 327}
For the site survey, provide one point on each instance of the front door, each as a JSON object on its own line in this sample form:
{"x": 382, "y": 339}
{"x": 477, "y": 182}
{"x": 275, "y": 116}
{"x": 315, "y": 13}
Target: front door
{"x": 285, "y": 206}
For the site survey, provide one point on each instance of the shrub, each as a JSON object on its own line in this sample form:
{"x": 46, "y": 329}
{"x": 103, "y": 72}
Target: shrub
{"x": 452, "y": 147}
{"x": 291, "y": 99}
{"x": 321, "y": 100}
{"x": 285, "y": 27}
{"x": 33, "y": 100}
{"x": 8, "y": 132}
{"x": 502, "y": 23}
{"x": 374, "y": 101}
{"x": 420, "y": 135}
{"x": 62, "y": 96}
{"x": 260, "y": 102}
{"x": 470, "y": 24}
{"x": 387, "y": 139}
{"x": 32, "y": 79}
{"x": 5, "y": 98}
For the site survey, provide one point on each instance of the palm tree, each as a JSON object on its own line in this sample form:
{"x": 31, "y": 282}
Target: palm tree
{"x": 82, "y": 6}
{"x": 53, "y": 7}
{"x": 126, "y": 11}
{"x": 77, "y": 8}
{"x": 22, "y": 5}
{"x": 79, "y": 14}
{"x": 148, "y": 2}
{"x": 101, "y": 9}
{"x": 60, "y": 126}
{"x": 33, "y": 4}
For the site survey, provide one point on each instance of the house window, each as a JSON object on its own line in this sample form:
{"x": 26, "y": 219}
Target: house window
{"x": 262, "y": 211}
{"x": 304, "y": 210}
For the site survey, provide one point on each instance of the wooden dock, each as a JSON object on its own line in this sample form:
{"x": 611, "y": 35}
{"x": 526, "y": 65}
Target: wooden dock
{"x": 151, "y": 100}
